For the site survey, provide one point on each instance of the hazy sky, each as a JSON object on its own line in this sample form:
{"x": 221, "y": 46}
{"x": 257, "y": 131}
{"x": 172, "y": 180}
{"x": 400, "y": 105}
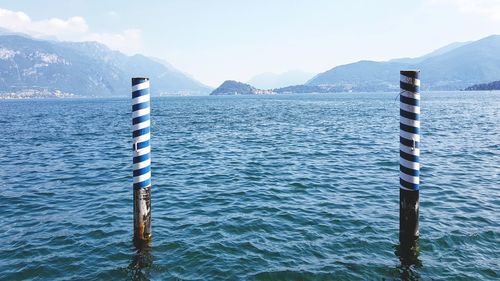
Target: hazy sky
{"x": 229, "y": 39}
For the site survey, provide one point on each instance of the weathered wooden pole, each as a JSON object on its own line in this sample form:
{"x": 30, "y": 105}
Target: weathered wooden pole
{"x": 141, "y": 159}
{"x": 409, "y": 160}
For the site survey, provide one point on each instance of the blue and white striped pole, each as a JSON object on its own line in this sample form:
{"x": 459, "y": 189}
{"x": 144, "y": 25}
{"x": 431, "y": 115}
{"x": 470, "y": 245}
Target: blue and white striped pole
{"x": 141, "y": 123}
{"x": 409, "y": 156}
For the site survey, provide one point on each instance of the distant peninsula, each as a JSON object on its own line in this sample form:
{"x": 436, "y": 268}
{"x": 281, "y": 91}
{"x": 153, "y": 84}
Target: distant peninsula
{"x": 231, "y": 87}
{"x": 495, "y": 85}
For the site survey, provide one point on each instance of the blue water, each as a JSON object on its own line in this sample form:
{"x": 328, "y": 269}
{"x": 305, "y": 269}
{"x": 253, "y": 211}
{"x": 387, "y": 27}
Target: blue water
{"x": 292, "y": 187}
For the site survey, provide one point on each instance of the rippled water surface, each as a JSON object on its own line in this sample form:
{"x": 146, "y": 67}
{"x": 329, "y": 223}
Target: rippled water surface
{"x": 299, "y": 187}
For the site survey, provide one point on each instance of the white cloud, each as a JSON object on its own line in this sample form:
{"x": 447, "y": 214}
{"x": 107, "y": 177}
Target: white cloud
{"x": 489, "y": 9}
{"x": 71, "y": 29}
{"x": 21, "y": 22}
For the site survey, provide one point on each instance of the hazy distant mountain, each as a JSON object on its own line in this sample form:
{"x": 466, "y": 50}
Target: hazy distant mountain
{"x": 35, "y": 66}
{"x": 231, "y": 87}
{"x": 492, "y": 86}
{"x": 306, "y": 89}
{"x": 453, "y": 67}
{"x": 270, "y": 80}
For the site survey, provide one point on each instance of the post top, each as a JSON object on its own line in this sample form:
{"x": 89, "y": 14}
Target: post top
{"x": 410, "y": 73}
{"x": 139, "y": 80}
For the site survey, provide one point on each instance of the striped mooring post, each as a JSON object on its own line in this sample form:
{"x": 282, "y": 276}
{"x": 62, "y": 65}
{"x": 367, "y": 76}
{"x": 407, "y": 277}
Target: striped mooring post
{"x": 141, "y": 158}
{"x": 409, "y": 153}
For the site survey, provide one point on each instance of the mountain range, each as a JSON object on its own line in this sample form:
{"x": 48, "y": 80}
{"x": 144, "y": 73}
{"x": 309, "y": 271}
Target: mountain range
{"x": 47, "y": 68}
{"x": 453, "y": 67}
{"x": 33, "y": 67}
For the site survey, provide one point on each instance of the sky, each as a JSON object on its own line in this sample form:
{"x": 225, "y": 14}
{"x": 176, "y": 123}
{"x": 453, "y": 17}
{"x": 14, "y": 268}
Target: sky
{"x": 218, "y": 40}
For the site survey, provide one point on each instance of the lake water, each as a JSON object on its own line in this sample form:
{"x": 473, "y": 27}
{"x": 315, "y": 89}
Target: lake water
{"x": 285, "y": 187}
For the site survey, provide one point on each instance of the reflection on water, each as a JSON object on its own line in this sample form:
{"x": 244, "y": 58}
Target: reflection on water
{"x": 141, "y": 263}
{"x": 408, "y": 256}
